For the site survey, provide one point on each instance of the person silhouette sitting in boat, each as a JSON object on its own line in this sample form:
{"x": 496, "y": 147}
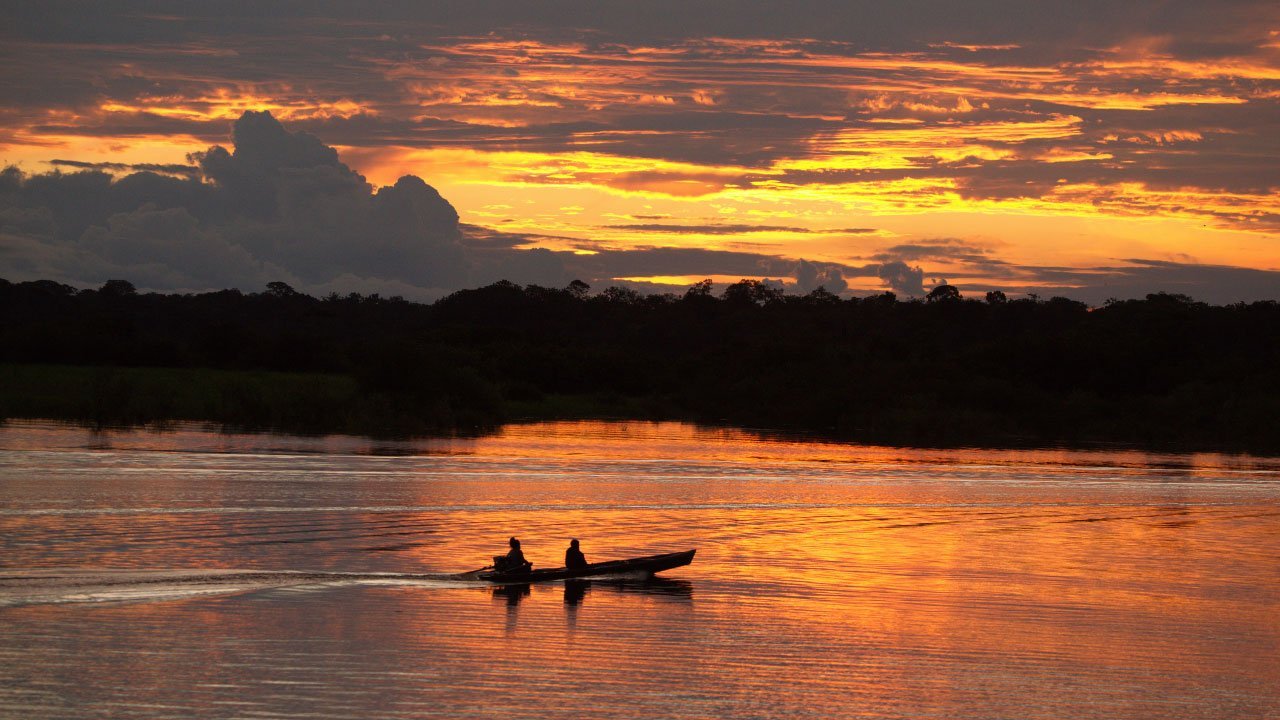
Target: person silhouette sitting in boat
{"x": 573, "y": 557}
{"x": 513, "y": 561}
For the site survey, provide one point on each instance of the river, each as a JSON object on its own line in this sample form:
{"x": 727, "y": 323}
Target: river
{"x": 192, "y": 573}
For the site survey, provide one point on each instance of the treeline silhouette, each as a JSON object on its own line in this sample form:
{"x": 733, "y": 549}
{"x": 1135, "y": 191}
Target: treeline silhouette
{"x": 1162, "y": 371}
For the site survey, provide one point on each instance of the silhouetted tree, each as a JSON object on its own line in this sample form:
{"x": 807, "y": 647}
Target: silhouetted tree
{"x": 751, "y": 291}
{"x": 280, "y": 290}
{"x": 1171, "y": 299}
{"x": 997, "y": 297}
{"x": 118, "y": 288}
{"x": 578, "y": 289}
{"x": 943, "y": 293}
{"x": 621, "y": 295}
{"x": 700, "y": 289}
{"x": 822, "y": 296}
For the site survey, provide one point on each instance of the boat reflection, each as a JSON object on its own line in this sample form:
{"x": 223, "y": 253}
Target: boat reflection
{"x": 677, "y": 590}
{"x": 575, "y": 591}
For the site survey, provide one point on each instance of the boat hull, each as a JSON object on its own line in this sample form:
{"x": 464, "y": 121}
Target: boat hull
{"x": 643, "y": 565}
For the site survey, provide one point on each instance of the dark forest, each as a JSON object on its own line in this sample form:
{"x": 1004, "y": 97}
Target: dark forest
{"x": 1163, "y": 372}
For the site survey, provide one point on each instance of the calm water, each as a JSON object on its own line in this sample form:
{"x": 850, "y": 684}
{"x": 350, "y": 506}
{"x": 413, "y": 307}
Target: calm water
{"x": 193, "y": 574}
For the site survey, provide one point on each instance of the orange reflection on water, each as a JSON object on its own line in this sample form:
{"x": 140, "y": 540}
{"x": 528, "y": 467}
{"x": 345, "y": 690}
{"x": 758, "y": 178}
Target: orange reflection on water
{"x": 831, "y": 580}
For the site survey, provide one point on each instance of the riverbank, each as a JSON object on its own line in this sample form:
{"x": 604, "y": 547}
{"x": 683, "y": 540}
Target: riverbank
{"x": 329, "y": 404}
{"x": 303, "y": 403}
{"x": 1165, "y": 372}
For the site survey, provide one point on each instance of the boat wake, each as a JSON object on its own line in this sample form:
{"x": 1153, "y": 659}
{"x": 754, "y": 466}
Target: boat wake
{"x": 39, "y": 587}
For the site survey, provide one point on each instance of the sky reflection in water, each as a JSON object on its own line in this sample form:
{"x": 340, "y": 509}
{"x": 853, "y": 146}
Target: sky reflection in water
{"x": 830, "y": 581}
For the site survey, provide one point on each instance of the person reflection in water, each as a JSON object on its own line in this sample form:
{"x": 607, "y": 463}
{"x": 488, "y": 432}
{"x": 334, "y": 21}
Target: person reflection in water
{"x": 574, "y": 592}
{"x": 511, "y": 594}
{"x": 573, "y": 557}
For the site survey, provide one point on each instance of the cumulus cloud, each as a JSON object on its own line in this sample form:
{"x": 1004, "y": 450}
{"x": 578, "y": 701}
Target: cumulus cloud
{"x": 811, "y": 276}
{"x": 168, "y": 248}
{"x": 279, "y": 205}
{"x": 902, "y": 278}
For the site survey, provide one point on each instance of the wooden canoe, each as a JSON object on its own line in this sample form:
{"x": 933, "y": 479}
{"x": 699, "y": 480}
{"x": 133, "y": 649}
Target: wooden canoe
{"x": 635, "y": 566}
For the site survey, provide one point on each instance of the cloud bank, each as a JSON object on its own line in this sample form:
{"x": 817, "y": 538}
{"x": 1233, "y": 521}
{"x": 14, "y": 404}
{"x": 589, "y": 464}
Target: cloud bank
{"x": 280, "y": 205}
{"x": 1137, "y": 107}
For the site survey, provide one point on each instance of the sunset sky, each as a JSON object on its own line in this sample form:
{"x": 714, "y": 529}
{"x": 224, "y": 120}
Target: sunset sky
{"x": 1090, "y": 149}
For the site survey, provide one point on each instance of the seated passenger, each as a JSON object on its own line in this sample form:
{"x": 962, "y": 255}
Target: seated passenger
{"x": 573, "y": 557}
{"x": 513, "y": 560}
